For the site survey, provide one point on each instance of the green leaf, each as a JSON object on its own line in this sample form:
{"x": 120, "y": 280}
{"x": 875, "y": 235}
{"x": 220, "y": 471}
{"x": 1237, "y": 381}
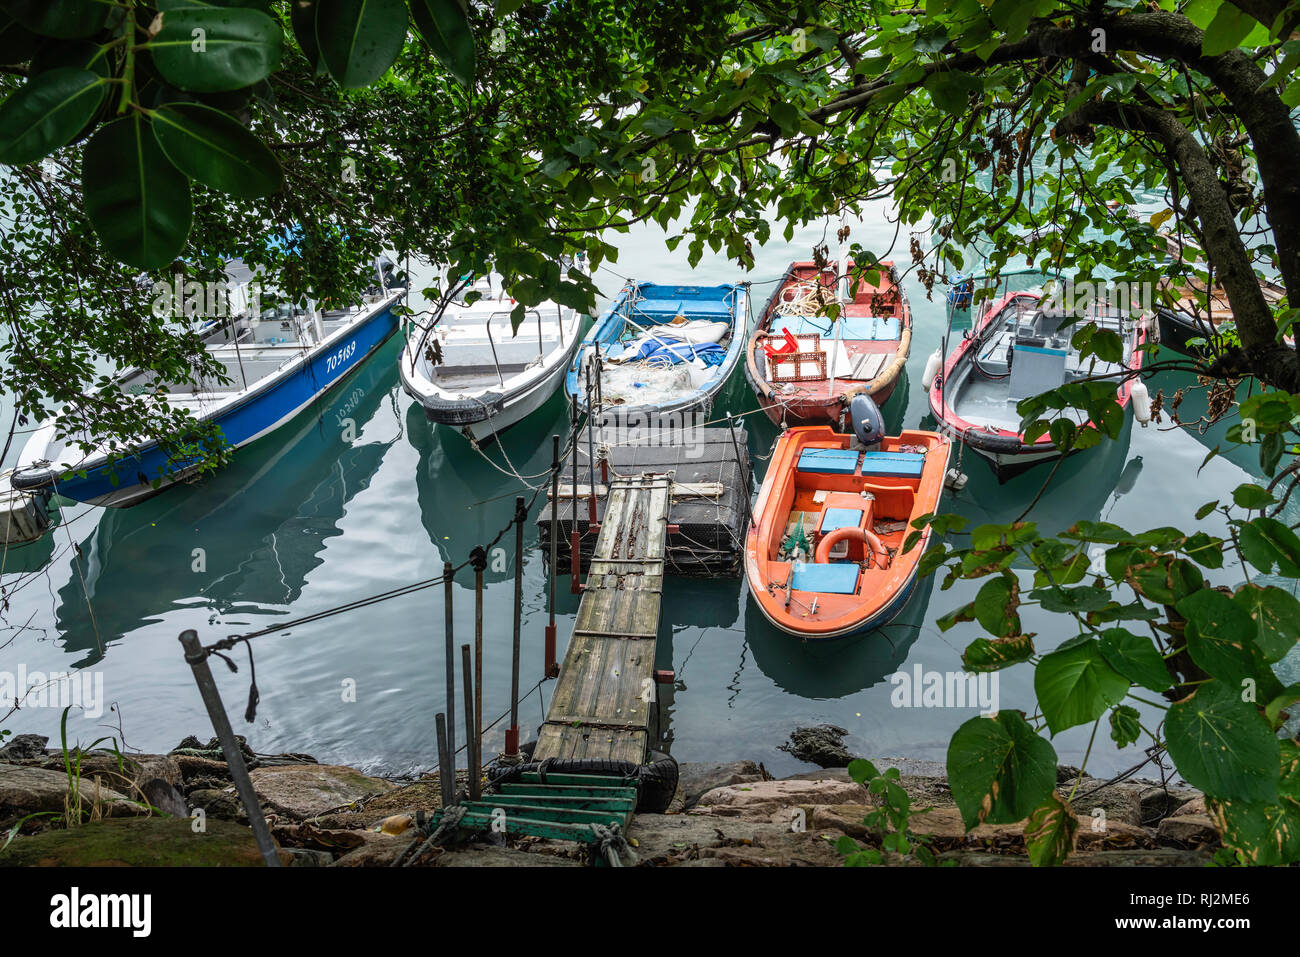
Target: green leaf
{"x": 1050, "y": 832}
{"x": 1273, "y": 710}
{"x": 1267, "y": 543}
{"x": 1124, "y": 725}
{"x": 1265, "y": 834}
{"x": 999, "y": 769}
{"x": 1222, "y": 745}
{"x": 1229, "y": 27}
{"x": 207, "y": 145}
{"x": 65, "y": 19}
{"x": 46, "y": 112}
{"x": 951, "y": 89}
{"x": 1136, "y": 658}
{"x": 984, "y": 654}
{"x": 360, "y": 39}
{"x": 232, "y": 48}
{"x": 995, "y": 606}
{"x": 302, "y": 18}
{"x": 1080, "y": 599}
{"x": 1252, "y": 496}
{"x": 16, "y": 41}
{"x": 1076, "y": 685}
{"x": 445, "y": 27}
{"x": 137, "y": 201}
{"x": 861, "y": 770}
{"x": 1276, "y": 615}
{"x": 1218, "y": 631}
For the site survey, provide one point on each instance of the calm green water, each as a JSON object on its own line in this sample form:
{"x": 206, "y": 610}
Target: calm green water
{"x": 306, "y": 519}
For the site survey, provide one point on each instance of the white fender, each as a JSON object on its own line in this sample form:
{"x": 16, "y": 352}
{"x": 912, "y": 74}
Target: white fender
{"x": 1141, "y": 402}
{"x": 932, "y": 367}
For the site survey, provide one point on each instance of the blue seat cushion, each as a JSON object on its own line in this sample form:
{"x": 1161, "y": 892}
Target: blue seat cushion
{"x": 834, "y": 518}
{"x": 895, "y": 464}
{"x": 832, "y": 578}
{"x": 690, "y": 308}
{"x": 829, "y": 461}
{"x": 874, "y": 328}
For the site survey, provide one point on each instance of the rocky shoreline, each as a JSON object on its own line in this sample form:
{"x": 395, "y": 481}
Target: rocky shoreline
{"x": 732, "y": 813}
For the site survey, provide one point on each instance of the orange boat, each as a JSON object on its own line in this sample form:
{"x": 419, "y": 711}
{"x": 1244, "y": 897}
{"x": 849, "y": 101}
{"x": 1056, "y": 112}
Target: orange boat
{"x": 824, "y": 553}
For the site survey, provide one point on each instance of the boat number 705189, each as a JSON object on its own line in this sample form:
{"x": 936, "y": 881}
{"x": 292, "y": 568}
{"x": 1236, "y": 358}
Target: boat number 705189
{"x": 343, "y": 354}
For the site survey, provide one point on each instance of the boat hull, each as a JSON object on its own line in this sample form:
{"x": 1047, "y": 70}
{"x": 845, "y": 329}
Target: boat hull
{"x": 268, "y": 406}
{"x": 1006, "y": 450}
{"x": 870, "y": 496}
{"x": 792, "y": 404}
{"x": 691, "y": 408}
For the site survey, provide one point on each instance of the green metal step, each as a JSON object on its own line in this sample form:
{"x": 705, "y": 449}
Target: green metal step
{"x": 569, "y": 790}
{"x": 579, "y": 780}
{"x": 627, "y": 805}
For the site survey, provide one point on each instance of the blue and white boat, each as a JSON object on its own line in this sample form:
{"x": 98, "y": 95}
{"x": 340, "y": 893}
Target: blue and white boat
{"x": 278, "y": 362}
{"x": 660, "y": 354}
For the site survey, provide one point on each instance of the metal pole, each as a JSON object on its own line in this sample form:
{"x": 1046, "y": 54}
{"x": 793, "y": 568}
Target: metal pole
{"x": 512, "y": 733}
{"x": 449, "y": 586}
{"x": 591, "y": 454}
{"x": 551, "y": 667}
{"x": 446, "y": 757}
{"x": 472, "y": 756}
{"x": 575, "y": 560}
{"x": 478, "y": 658}
{"x": 230, "y": 747}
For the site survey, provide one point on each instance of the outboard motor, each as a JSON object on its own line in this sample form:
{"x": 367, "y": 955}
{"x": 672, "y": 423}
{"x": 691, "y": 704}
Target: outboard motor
{"x": 868, "y": 423}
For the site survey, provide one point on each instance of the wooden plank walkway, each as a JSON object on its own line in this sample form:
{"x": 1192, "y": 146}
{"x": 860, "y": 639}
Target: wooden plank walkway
{"x": 600, "y": 707}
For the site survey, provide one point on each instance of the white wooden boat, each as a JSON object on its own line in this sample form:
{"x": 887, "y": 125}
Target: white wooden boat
{"x": 471, "y": 370}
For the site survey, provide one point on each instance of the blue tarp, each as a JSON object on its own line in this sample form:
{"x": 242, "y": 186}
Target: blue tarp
{"x": 675, "y": 350}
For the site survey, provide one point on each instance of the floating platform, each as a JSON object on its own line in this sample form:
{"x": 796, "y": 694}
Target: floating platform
{"x": 708, "y": 491}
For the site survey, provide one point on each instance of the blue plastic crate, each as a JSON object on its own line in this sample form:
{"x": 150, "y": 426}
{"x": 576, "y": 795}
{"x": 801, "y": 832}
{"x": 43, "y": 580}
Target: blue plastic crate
{"x": 834, "y": 518}
{"x": 893, "y": 464}
{"x": 828, "y": 461}
{"x": 832, "y": 578}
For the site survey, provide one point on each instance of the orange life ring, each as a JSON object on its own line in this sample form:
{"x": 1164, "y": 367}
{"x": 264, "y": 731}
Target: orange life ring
{"x": 850, "y": 533}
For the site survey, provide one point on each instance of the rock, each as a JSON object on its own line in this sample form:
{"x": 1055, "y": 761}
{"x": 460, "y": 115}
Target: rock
{"x": 161, "y": 766}
{"x": 24, "y": 747}
{"x": 164, "y": 797}
{"x": 305, "y": 857}
{"x": 821, "y": 745}
{"x": 1188, "y": 830}
{"x": 695, "y": 780}
{"x": 423, "y": 795}
{"x": 663, "y": 839}
{"x": 1157, "y": 803}
{"x": 25, "y": 790}
{"x": 1195, "y": 805}
{"x": 219, "y": 804}
{"x": 200, "y": 772}
{"x": 374, "y": 853}
{"x": 489, "y": 855}
{"x": 131, "y": 842}
{"x": 303, "y": 790}
{"x": 776, "y": 801}
{"x": 320, "y": 839}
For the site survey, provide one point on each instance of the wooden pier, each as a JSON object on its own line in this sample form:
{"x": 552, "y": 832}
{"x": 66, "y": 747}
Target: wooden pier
{"x": 605, "y": 695}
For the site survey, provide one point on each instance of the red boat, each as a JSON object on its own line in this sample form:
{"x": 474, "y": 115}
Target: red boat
{"x": 806, "y": 365}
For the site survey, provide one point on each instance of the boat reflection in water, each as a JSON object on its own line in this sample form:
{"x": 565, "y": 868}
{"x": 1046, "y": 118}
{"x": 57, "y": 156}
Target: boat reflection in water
{"x": 467, "y": 495}
{"x": 261, "y": 524}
